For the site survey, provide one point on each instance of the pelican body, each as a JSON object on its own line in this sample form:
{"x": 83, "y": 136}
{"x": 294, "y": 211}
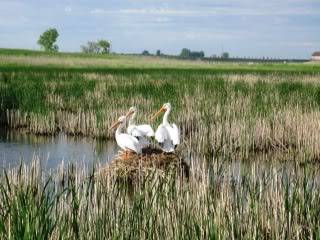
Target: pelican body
{"x": 142, "y": 132}
{"x": 167, "y": 135}
{"x": 126, "y": 141}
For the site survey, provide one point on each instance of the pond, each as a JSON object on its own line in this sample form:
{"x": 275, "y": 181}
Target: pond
{"x": 16, "y": 147}
{"x": 52, "y": 150}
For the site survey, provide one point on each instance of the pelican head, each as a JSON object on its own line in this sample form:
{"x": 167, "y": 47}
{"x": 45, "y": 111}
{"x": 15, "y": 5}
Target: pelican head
{"x": 121, "y": 121}
{"x": 131, "y": 111}
{"x": 165, "y": 107}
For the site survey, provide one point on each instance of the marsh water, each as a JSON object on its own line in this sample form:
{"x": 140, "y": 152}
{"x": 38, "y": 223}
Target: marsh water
{"x": 16, "y": 147}
{"x": 52, "y": 150}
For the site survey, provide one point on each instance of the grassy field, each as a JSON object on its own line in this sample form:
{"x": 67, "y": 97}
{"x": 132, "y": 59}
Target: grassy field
{"x": 235, "y": 109}
{"x": 250, "y": 113}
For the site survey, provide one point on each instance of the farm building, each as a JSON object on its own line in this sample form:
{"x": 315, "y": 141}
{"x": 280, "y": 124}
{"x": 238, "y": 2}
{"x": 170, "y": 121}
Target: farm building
{"x": 315, "y": 56}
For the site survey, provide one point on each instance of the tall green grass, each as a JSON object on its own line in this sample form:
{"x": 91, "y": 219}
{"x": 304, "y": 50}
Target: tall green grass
{"x": 226, "y": 113}
{"x": 234, "y": 108}
{"x": 234, "y": 113}
{"x": 20, "y": 89}
{"x": 271, "y": 203}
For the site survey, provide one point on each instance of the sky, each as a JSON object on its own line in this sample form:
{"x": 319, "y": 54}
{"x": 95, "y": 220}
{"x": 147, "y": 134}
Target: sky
{"x": 250, "y": 28}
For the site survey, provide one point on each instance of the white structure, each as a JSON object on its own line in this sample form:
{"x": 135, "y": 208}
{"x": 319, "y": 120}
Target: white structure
{"x": 315, "y": 56}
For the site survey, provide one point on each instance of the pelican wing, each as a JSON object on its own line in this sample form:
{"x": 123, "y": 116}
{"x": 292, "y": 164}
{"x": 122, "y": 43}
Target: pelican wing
{"x": 162, "y": 134}
{"x": 163, "y": 137}
{"x": 134, "y": 131}
{"x": 167, "y": 146}
{"x": 146, "y": 129}
{"x": 126, "y": 141}
{"x": 140, "y": 130}
{"x": 144, "y": 142}
{"x": 174, "y": 134}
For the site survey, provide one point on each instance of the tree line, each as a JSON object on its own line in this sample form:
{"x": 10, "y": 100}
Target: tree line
{"x": 187, "y": 54}
{"x": 48, "y": 39}
{"x": 100, "y": 46}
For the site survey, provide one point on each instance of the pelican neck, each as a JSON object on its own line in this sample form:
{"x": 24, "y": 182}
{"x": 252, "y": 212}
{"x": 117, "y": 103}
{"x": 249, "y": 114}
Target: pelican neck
{"x": 165, "y": 117}
{"x": 132, "y": 119}
{"x": 120, "y": 129}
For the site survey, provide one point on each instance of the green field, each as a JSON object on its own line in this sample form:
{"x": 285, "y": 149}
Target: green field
{"x": 240, "y": 108}
{"x": 226, "y": 112}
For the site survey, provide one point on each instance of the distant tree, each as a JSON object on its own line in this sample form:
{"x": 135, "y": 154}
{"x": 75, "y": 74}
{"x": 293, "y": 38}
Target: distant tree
{"x": 225, "y": 55}
{"x": 199, "y": 54}
{"x": 101, "y": 46}
{"x": 104, "y": 45}
{"x": 145, "y": 53}
{"x": 158, "y": 53}
{"x": 188, "y": 54}
{"x": 47, "y": 40}
{"x": 185, "y": 53}
{"x": 84, "y": 49}
{"x": 91, "y": 47}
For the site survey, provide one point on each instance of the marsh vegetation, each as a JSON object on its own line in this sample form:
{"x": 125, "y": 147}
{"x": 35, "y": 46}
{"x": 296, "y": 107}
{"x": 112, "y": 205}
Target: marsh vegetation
{"x": 72, "y": 204}
{"x": 227, "y": 113}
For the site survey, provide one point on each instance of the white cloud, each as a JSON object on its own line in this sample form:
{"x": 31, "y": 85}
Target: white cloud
{"x": 219, "y": 11}
{"x": 243, "y": 26}
{"x": 144, "y": 11}
{"x": 68, "y": 9}
{"x": 162, "y": 19}
{"x": 214, "y": 35}
{"x": 99, "y": 11}
{"x": 159, "y": 11}
{"x": 301, "y": 44}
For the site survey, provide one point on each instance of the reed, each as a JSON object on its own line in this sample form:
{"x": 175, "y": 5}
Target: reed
{"x": 234, "y": 118}
{"x": 239, "y": 114}
{"x": 78, "y": 203}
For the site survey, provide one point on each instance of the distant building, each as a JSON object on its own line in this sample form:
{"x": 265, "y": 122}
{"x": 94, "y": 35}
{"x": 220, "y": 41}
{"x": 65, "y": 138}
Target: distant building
{"x": 315, "y": 56}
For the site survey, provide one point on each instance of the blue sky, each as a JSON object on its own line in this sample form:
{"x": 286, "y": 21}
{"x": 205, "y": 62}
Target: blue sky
{"x": 273, "y": 28}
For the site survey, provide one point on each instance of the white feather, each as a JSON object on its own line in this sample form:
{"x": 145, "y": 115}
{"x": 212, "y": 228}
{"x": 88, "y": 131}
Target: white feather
{"x": 140, "y": 130}
{"x": 162, "y": 134}
{"x": 144, "y": 142}
{"x": 167, "y": 135}
{"x": 174, "y": 134}
{"x": 163, "y": 137}
{"x": 127, "y": 142}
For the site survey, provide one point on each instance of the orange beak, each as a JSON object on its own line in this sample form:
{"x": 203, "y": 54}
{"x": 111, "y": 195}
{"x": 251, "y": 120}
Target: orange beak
{"x": 129, "y": 114}
{"x": 162, "y": 109}
{"x": 116, "y": 124}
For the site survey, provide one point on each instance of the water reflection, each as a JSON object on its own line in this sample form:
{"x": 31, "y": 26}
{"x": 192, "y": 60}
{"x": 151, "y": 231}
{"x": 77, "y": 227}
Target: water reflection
{"x": 16, "y": 146}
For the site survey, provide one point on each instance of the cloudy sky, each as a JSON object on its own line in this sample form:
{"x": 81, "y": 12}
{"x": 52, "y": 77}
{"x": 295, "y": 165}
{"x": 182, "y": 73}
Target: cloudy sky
{"x": 273, "y": 28}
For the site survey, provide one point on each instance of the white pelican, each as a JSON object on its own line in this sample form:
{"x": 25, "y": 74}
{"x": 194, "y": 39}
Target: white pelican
{"x": 125, "y": 141}
{"x": 142, "y": 132}
{"x": 167, "y": 135}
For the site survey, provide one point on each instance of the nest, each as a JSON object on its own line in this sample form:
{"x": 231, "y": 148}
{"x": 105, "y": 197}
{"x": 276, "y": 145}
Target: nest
{"x": 131, "y": 167}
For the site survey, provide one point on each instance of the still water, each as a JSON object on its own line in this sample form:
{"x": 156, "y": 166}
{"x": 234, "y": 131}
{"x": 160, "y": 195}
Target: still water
{"x": 16, "y": 147}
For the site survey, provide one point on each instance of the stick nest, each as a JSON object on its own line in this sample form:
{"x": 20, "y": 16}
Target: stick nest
{"x": 133, "y": 166}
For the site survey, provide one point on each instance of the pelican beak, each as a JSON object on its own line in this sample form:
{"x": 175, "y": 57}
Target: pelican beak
{"x": 157, "y": 113}
{"x": 129, "y": 114}
{"x": 116, "y": 124}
